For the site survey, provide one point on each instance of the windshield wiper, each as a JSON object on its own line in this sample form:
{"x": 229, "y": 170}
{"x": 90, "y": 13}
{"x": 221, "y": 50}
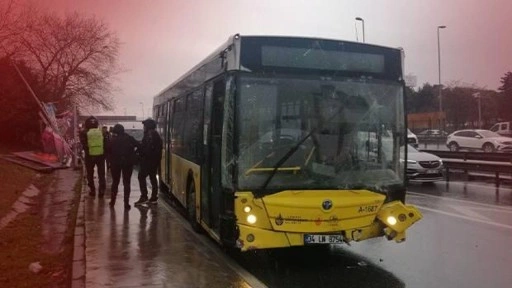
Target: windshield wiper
{"x": 290, "y": 153}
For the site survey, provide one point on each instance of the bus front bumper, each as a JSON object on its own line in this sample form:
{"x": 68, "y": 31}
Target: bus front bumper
{"x": 392, "y": 221}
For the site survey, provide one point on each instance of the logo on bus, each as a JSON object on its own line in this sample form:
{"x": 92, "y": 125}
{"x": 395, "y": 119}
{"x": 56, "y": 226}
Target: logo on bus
{"x": 327, "y": 204}
{"x": 279, "y": 220}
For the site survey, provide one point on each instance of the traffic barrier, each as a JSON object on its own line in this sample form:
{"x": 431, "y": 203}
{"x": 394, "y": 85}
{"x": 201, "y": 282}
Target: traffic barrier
{"x": 497, "y": 163}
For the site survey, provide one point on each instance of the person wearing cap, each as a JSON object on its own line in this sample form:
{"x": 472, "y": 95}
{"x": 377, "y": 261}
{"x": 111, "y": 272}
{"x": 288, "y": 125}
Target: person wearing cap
{"x": 121, "y": 152}
{"x": 93, "y": 143}
{"x": 150, "y": 157}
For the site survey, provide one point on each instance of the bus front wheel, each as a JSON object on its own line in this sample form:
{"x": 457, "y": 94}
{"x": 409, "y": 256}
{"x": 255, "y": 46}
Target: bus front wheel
{"x": 191, "y": 207}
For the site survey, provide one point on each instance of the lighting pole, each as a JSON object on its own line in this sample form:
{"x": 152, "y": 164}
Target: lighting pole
{"x": 439, "y": 66}
{"x": 477, "y": 96}
{"x": 362, "y": 20}
{"x": 142, "y": 103}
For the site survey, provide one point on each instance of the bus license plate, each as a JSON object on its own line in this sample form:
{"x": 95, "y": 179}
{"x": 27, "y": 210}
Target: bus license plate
{"x": 322, "y": 239}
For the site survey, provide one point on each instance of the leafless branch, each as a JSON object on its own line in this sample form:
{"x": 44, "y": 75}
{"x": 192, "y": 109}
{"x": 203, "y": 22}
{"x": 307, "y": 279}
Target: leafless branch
{"x": 75, "y": 56}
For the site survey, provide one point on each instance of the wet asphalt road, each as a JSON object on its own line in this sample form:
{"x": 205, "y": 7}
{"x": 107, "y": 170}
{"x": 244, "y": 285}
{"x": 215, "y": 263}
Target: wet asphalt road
{"x": 463, "y": 241}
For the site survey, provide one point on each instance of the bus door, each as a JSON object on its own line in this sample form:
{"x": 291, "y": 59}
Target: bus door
{"x": 211, "y": 192}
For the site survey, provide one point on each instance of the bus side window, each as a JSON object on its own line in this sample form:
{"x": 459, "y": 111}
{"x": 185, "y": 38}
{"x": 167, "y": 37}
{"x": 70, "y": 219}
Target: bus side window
{"x": 193, "y": 134}
{"x": 178, "y": 122}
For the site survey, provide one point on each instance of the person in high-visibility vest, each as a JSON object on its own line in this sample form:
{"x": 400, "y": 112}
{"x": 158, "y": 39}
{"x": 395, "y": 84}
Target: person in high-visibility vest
{"x": 93, "y": 143}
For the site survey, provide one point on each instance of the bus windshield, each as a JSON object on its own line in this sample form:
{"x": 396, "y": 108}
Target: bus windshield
{"x": 298, "y": 133}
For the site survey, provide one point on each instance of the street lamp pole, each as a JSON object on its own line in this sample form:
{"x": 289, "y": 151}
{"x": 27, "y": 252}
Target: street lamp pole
{"x": 479, "y": 112}
{"x": 362, "y": 20}
{"x": 478, "y": 97}
{"x": 439, "y": 66}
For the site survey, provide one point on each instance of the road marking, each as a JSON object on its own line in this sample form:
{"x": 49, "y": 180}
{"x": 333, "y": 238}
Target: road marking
{"x": 469, "y": 212}
{"x": 466, "y": 217}
{"x": 492, "y": 209}
{"x": 244, "y": 274}
{"x": 496, "y": 207}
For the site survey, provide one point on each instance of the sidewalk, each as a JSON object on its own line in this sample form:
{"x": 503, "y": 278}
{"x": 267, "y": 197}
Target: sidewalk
{"x": 36, "y": 230}
{"x": 148, "y": 246}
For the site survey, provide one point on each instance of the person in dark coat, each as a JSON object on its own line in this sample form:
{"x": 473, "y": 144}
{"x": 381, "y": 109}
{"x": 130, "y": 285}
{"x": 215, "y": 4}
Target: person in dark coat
{"x": 151, "y": 155}
{"x": 121, "y": 151}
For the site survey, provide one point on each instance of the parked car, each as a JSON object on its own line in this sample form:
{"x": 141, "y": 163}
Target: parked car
{"x": 412, "y": 139}
{"x": 423, "y": 167}
{"x": 432, "y": 134}
{"x": 503, "y": 128}
{"x": 134, "y": 129}
{"x": 485, "y": 140}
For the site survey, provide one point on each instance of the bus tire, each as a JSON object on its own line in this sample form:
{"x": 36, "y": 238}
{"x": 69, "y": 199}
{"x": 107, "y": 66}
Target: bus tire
{"x": 191, "y": 207}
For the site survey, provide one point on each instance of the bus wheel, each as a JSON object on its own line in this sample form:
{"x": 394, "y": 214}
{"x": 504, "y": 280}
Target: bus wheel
{"x": 191, "y": 207}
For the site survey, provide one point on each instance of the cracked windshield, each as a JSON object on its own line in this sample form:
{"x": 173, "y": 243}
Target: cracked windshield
{"x": 318, "y": 134}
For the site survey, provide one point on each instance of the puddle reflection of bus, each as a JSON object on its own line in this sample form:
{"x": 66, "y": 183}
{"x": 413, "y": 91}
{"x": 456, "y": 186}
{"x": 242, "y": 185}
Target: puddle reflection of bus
{"x": 263, "y": 143}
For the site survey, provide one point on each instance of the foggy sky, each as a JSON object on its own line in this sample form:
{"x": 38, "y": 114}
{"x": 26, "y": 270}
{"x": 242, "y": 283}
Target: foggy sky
{"x": 163, "y": 39}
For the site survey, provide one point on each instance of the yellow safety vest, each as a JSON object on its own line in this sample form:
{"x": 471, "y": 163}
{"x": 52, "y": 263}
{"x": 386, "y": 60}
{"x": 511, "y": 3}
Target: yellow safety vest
{"x": 95, "y": 141}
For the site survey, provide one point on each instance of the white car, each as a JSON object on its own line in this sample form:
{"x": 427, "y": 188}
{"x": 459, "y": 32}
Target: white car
{"x": 485, "y": 140}
{"x": 423, "y": 167}
{"x": 503, "y": 128}
{"x": 412, "y": 139}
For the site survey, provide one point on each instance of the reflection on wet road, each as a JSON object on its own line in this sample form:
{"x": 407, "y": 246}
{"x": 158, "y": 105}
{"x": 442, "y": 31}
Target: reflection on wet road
{"x": 148, "y": 247}
{"x": 322, "y": 266}
{"x": 462, "y": 241}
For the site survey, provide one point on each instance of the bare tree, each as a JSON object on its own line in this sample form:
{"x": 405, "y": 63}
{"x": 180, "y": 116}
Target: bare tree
{"x": 75, "y": 57}
{"x": 13, "y": 22}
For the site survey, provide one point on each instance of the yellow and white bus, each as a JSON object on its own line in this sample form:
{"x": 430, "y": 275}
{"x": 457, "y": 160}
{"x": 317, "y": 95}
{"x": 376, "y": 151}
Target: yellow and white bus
{"x": 288, "y": 141}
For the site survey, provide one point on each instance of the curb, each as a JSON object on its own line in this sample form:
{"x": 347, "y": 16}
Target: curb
{"x": 78, "y": 269}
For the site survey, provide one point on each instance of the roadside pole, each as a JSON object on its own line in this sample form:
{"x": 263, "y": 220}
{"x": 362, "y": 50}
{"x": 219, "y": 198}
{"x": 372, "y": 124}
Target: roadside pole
{"x": 75, "y": 138}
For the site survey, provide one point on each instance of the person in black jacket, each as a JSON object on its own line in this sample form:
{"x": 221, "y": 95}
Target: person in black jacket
{"x": 121, "y": 151}
{"x": 151, "y": 154}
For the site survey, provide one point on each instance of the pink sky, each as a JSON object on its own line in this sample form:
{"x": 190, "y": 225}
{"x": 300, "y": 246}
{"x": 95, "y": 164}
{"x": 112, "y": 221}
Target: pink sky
{"x": 162, "y": 39}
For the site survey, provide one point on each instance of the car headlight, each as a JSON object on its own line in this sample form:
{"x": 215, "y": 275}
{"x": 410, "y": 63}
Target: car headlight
{"x": 411, "y": 162}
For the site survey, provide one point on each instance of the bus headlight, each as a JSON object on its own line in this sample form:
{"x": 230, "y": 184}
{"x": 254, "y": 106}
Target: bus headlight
{"x": 391, "y": 220}
{"x": 251, "y": 219}
{"x": 247, "y": 209}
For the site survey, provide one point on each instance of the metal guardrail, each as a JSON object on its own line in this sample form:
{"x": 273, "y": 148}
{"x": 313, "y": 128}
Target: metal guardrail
{"x": 497, "y": 163}
{"x": 480, "y": 156}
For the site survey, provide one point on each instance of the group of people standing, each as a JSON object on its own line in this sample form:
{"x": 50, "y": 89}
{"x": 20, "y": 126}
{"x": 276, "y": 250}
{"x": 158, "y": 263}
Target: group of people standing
{"x": 122, "y": 152}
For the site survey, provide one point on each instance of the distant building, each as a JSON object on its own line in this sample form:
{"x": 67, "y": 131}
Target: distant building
{"x": 420, "y": 121}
